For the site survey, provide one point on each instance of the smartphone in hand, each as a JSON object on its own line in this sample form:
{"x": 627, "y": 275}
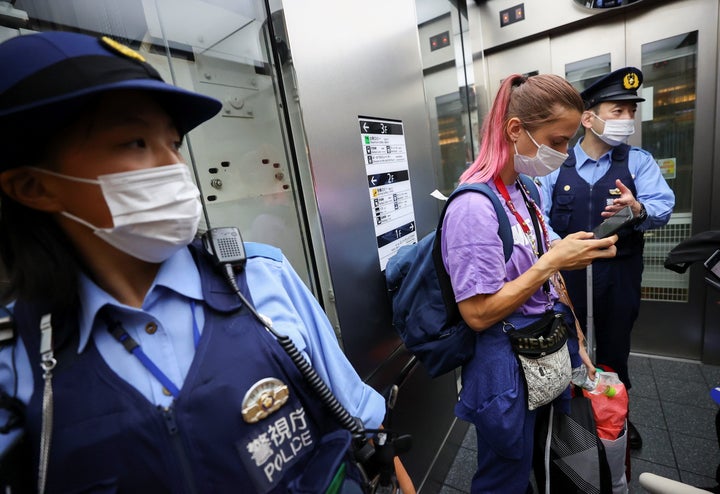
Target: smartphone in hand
{"x": 612, "y": 224}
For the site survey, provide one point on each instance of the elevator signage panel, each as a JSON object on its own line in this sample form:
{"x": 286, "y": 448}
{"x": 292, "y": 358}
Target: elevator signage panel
{"x": 388, "y": 182}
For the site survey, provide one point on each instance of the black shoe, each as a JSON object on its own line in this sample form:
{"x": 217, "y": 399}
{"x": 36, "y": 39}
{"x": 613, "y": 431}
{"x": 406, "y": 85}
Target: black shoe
{"x": 634, "y": 437}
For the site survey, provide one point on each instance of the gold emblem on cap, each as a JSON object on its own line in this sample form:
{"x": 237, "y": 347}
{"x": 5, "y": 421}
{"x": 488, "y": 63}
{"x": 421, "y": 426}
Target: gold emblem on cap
{"x": 614, "y": 192}
{"x": 263, "y": 399}
{"x": 122, "y": 49}
{"x": 566, "y": 188}
{"x": 631, "y": 81}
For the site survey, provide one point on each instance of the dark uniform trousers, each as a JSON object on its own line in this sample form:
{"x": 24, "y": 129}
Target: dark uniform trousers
{"x": 576, "y": 206}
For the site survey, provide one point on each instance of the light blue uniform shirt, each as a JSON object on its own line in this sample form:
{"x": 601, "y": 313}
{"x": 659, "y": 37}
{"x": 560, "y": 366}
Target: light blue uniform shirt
{"x": 652, "y": 189}
{"x": 164, "y": 329}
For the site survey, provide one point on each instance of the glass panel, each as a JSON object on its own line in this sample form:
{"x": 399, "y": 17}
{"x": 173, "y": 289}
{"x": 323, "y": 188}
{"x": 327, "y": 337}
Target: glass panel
{"x": 450, "y": 89}
{"x": 584, "y": 72}
{"x": 453, "y": 112}
{"x": 670, "y": 71}
{"x": 219, "y": 48}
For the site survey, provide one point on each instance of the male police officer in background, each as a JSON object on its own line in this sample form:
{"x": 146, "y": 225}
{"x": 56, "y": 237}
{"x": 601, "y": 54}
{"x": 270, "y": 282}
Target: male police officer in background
{"x": 602, "y": 175}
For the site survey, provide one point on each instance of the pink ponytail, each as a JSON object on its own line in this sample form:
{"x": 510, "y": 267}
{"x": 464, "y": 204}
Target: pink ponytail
{"x": 536, "y": 101}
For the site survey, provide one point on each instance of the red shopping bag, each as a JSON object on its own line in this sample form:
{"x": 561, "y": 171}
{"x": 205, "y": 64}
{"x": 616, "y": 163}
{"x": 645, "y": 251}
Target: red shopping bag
{"x": 610, "y": 405}
{"x": 610, "y": 409}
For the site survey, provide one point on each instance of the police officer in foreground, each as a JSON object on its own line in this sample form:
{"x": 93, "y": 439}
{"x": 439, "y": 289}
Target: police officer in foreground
{"x": 135, "y": 366}
{"x": 602, "y": 175}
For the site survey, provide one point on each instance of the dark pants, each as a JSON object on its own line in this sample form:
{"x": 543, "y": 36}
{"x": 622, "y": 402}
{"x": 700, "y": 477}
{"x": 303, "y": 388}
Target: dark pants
{"x": 497, "y": 474}
{"x": 616, "y": 303}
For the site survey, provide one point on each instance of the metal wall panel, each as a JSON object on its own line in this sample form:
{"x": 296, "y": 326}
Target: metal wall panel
{"x": 353, "y": 59}
{"x": 531, "y": 57}
{"x": 365, "y": 62}
{"x": 539, "y": 17}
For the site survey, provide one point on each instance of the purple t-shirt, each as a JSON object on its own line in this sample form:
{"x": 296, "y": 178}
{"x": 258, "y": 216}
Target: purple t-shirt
{"x": 473, "y": 251}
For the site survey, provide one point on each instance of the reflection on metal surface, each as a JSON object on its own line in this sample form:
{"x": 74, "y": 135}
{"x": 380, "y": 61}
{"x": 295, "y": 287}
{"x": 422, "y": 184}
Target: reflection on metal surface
{"x": 670, "y": 85}
{"x": 605, "y": 4}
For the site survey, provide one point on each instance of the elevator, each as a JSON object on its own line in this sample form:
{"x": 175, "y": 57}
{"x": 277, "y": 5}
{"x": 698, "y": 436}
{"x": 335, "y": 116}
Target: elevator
{"x": 307, "y": 85}
{"x": 675, "y": 44}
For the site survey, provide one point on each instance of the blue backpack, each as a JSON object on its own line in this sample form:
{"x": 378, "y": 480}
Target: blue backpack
{"x": 425, "y": 313}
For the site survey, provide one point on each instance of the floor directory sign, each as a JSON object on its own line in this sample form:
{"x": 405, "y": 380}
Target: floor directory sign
{"x": 388, "y": 180}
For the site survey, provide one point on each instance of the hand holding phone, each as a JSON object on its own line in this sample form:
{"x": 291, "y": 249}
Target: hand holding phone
{"x": 614, "y": 223}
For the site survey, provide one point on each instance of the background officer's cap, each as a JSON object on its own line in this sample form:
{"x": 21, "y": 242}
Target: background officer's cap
{"x": 621, "y": 85}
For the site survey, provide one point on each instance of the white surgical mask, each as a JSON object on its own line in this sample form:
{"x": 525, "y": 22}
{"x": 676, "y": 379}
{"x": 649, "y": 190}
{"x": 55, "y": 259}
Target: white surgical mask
{"x": 155, "y": 211}
{"x": 616, "y": 131}
{"x": 546, "y": 161}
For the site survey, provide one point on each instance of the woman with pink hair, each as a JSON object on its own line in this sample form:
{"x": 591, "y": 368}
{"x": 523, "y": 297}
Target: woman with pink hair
{"x": 526, "y": 132}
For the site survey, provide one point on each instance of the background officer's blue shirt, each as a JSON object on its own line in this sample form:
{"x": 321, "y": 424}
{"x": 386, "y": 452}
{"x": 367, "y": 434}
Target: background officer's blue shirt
{"x": 164, "y": 329}
{"x": 652, "y": 189}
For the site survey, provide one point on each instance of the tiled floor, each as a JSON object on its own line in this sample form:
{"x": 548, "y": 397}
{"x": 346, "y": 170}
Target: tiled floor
{"x": 670, "y": 405}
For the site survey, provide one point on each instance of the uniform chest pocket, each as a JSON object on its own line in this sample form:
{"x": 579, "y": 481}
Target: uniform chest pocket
{"x": 562, "y": 212}
{"x": 564, "y": 201}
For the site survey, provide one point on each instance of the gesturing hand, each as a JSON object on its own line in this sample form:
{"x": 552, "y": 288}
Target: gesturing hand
{"x": 626, "y": 199}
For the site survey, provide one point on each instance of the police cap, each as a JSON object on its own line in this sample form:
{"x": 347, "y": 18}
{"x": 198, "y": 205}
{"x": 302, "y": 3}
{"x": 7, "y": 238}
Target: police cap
{"x": 46, "y": 77}
{"x": 621, "y": 85}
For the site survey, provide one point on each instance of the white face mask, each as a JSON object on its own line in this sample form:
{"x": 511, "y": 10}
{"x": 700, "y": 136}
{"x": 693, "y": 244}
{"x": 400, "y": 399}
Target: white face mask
{"x": 155, "y": 211}
{"x": 616, "y": 131}
{"x": 546, "y": 161}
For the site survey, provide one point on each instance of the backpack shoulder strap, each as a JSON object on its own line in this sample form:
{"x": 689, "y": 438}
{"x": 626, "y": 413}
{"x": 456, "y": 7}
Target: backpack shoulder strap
{"x": 504, "y": 232}
{"x": 503, "y": 223}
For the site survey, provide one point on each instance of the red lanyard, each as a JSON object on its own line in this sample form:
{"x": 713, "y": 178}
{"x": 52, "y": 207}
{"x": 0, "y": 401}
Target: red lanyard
{"x": 538, "y": 218}
{"x": 532, "y": 207}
